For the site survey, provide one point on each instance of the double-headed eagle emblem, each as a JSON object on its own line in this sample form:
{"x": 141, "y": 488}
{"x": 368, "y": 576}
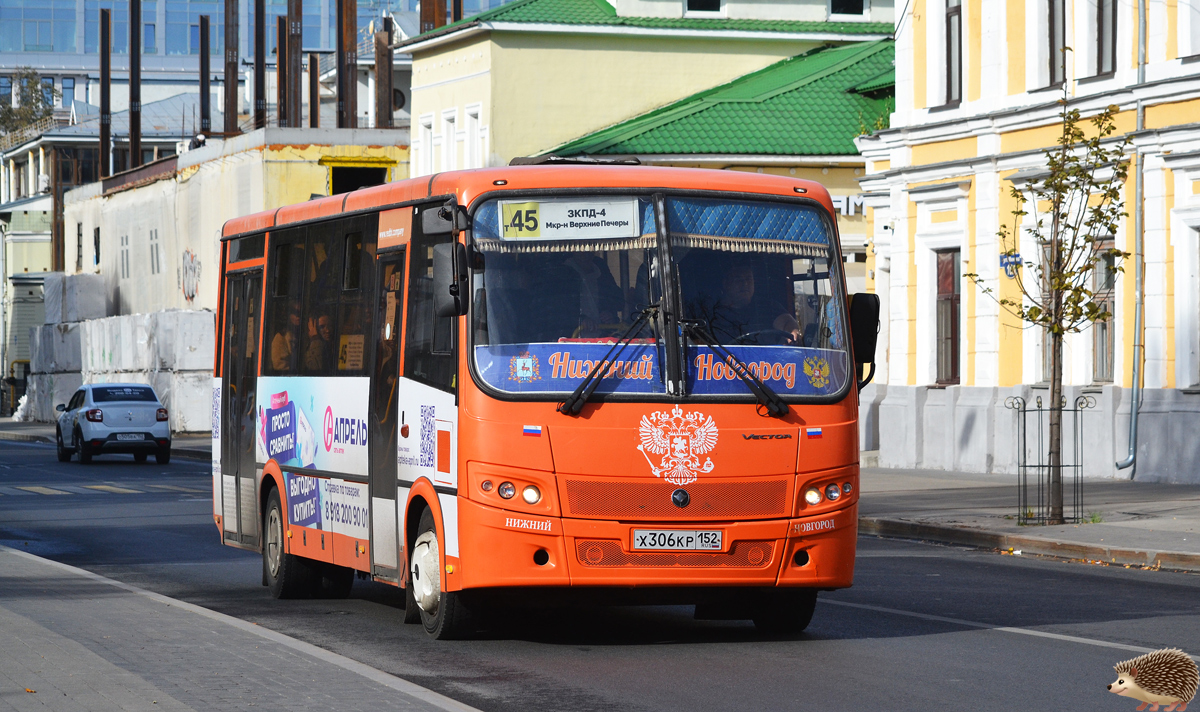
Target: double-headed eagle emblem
{"x": 680, "y": 440}
{"x": 817, "y": 370}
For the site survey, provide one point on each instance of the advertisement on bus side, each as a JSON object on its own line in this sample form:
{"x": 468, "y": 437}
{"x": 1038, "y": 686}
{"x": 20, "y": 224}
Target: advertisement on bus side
{"x": 330, "y": 505}
{"x": 318, "y": 423}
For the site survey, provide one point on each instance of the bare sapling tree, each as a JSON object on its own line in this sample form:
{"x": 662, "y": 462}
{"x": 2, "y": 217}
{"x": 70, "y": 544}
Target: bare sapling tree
{"x": 35, "y": 101}
{"x": 1071, "y": 212}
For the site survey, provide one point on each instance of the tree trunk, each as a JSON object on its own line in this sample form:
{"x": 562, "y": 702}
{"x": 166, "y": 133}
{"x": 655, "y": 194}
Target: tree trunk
{"x": 1056, "y": 414}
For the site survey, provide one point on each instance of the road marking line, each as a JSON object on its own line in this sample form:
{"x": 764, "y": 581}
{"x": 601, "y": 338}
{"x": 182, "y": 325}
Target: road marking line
{"x": 42, "y": 490}
{"x": 113, "y": 489}
{"x": 14, "y": 492}
{"x": 1001, "y": 628}
{"x": 175, "y": 488}
{"x": 412, "y": 689}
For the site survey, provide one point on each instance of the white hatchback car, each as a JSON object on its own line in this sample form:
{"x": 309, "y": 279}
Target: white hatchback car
{"x": 104, "y": 418}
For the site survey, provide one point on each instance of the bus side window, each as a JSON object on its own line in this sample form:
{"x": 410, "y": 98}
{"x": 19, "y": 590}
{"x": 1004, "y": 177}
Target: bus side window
{"x": 284, "y": 297}
{"x": 429, "y": 354}
{"x": 322, "y": 286}
{"x": 355, "y": 301}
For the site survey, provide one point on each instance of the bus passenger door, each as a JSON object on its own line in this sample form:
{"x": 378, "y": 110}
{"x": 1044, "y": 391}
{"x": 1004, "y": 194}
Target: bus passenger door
{"x": 385, "y": 553}
{"x": 242, "y": 308}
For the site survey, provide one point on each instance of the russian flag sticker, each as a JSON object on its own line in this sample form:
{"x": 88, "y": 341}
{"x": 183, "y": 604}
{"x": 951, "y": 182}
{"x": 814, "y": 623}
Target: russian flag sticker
{"x": 534, "y": 430}
{"x": 813, "y": 433}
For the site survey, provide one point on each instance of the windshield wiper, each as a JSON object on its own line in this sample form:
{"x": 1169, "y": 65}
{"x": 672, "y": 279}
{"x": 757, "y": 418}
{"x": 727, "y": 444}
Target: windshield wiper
{"x": 574, "y": 402}
{"x": 775, "y": 406}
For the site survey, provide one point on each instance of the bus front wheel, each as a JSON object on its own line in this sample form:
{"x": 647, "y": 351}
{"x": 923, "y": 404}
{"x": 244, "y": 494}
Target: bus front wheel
{"x": 288, "y": 576}
{"x": 785, "y": 612}
{"x": 443, "y": 613}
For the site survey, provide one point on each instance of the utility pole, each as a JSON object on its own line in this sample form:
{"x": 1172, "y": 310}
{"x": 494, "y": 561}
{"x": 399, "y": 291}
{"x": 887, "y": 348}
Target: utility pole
{"x": 231, "y": 67}
{"x": 260, "y": 64}
{"x": 105, "y": 93}
{"x": 135, "y": 83}
{"x": 205, "y": 103}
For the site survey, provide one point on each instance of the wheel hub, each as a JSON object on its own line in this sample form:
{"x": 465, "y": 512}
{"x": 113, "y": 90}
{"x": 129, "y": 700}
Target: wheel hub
{"x": 426, "y": 578}
{"x": 274, "y": 537}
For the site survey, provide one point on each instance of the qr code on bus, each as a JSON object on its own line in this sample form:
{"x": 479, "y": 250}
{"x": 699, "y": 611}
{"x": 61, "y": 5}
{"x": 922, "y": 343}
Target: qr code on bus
{"x": 428, "y": 436}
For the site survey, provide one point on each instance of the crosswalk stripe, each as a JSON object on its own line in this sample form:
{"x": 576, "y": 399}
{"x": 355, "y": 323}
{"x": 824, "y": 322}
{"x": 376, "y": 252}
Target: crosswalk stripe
{"x": 175, "y": 488}
{"x": 114, "y": 490}
{"x": 42, "y": 490}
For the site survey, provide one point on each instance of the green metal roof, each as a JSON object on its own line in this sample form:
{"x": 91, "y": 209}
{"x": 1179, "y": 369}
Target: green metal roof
{"x": 810, "y": 105}
{"x": 599, "y": 12}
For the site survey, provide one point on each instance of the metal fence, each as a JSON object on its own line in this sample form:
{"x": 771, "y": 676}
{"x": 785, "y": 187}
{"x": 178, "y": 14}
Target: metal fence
{"x": 1033, "y": 458}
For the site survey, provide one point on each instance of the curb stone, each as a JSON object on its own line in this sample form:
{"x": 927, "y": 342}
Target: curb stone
{"x": 984, "y": 539}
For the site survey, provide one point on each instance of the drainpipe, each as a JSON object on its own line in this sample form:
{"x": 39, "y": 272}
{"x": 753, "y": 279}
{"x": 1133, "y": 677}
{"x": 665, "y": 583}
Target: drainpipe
{"x": 1139, "y": 345}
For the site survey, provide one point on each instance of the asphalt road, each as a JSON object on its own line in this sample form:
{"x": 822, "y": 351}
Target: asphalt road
{"x": 924, "y": 626}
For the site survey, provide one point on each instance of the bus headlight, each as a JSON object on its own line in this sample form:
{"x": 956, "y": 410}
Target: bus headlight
{"x": 847, "y": 488}
{"x": 531, "y": 495}
{"x": 812, "y": 495}
{"x": 506, "y": 490}
{"x": 832, "y": 492}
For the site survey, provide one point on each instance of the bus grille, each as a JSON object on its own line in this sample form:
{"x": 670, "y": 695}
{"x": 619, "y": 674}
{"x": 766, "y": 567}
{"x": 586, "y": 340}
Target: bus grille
{"x": 608, "y": 553}
{"x": 652, "y": 500}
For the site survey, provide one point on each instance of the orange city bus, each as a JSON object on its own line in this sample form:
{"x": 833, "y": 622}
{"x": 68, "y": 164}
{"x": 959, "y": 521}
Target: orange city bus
{"x": 640, "y": 383}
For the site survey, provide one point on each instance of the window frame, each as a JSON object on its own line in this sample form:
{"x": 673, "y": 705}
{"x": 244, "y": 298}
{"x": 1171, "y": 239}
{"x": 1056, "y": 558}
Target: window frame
{"x": 954, "y": 81}
{"x": 1101, "y": 29}
{"x": 952, "y": 376}
{"x": 1056, "y": 39}
{"x": 1104, "y": 284}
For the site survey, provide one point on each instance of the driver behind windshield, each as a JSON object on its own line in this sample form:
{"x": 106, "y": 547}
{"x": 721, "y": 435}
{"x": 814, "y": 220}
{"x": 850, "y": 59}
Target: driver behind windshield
{"x": 741, "y": 315}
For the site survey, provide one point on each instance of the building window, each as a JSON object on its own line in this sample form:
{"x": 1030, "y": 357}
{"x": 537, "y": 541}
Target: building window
{"x": 155, "y": 253}
{"x": 124, "y": 257}
{"x": 449, "y": 142}
{"x": 847, "y": 7}
{"x": 96, "y": 246}
{"x": 949, "y": 279}
{"x": 48, "y": 90}
{"x": 953, "y": 51}
{"x": 6, "y": 92}
{"x": 1106, "y": 36}
{"x": 149, "y": 39}
{"x": 426, "y": 155}
{"x": 1057, "y": 40}
{"x": 474, "y": 157}
{"x": 78, "y": 247}
{"x": 1104, "y": 280}
{"x": 703, "y": 5}
{"x": 68, "y": 92}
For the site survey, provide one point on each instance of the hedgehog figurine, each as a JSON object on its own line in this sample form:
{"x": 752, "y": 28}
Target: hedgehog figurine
{"x": 1164, "y": 677}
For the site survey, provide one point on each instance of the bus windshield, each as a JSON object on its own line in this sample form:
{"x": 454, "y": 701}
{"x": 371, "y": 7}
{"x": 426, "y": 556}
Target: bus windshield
{"x": 558, "y": 280}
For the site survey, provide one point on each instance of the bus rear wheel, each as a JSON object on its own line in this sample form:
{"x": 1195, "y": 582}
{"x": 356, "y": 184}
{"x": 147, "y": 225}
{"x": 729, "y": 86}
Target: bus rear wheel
{"x": 443, "y": 613}
{"x": 288, "y": 576}
{"x": 784, "y": 611}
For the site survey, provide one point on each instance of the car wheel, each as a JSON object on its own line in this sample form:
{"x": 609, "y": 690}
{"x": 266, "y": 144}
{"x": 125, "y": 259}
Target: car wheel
{"x": 85, "y": 452}
{"x": 163, "y": 456}
{"x": 288, "y": 575}
{"x": 64, "y": 455}
{"x": 139, "y": 457}
{"x": 444, "y": 614}
{"x": 785, "y": 612}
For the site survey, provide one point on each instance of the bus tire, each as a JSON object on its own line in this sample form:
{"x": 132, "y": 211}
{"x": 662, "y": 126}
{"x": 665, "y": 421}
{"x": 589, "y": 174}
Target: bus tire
{"x": 412, "y": 612}
{"x": 336, "y": 581}
{"x": 785, "y": 612}
{"x": 288, "y": 575}
{"x": 444, "y": 614}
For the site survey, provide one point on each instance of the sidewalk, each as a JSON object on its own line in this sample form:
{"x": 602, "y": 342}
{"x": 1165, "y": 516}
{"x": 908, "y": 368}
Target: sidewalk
{"x": 1139, "y": 523}
{"x": 191, "y": 446}
{"x": 78, "y": 641}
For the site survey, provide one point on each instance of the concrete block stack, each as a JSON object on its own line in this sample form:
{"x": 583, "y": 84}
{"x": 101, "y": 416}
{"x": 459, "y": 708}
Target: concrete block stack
{"x": 169, "y": 350}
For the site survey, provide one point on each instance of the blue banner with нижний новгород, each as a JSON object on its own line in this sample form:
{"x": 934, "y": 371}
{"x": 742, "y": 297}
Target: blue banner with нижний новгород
{"x": 559, "y": 367}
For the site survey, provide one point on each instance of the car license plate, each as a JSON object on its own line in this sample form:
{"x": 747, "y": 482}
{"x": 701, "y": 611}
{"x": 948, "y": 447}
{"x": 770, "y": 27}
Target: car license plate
{"x": 129, "y": 436}
{"x": 684, "y": 540}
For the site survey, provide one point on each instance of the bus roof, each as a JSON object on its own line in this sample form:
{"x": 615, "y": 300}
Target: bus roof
{"x": 468, "y": 185}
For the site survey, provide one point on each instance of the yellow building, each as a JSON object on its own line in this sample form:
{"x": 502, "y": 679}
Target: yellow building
{"x": 978, "y": 86}
{"x": 530, "y": 75}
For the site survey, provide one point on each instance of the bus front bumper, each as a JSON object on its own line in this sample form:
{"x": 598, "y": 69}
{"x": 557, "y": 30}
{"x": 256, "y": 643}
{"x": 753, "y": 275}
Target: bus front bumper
{"x": 500, "y": 548}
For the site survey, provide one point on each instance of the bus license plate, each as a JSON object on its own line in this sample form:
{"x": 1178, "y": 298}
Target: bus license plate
{"x": 677, "y": 540}
{"x": 129, "y": 436}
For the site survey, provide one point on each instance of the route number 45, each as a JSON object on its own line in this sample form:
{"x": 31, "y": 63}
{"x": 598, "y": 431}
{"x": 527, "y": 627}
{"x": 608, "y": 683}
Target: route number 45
{"x": 521, "y": 220}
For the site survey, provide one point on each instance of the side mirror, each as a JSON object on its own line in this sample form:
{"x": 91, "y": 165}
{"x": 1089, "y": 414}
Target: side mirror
{"x": 60, "y": 407}
{"x": 450, "y": 279}
{"x": 444, "y": 220}
{"x": 864, "y": 331}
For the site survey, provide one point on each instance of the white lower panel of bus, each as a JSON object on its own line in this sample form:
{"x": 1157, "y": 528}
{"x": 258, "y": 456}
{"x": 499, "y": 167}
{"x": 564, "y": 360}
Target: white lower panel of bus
{"x": 383, "y": 532}
{"x": 229, "y": 502}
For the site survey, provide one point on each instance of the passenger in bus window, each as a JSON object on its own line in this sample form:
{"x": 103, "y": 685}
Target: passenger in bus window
{"x": 283, "y": 344}
{"x": 599, "y": 296}
{"x": 317, "y": 354}
{"x": 738, "y": 317}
